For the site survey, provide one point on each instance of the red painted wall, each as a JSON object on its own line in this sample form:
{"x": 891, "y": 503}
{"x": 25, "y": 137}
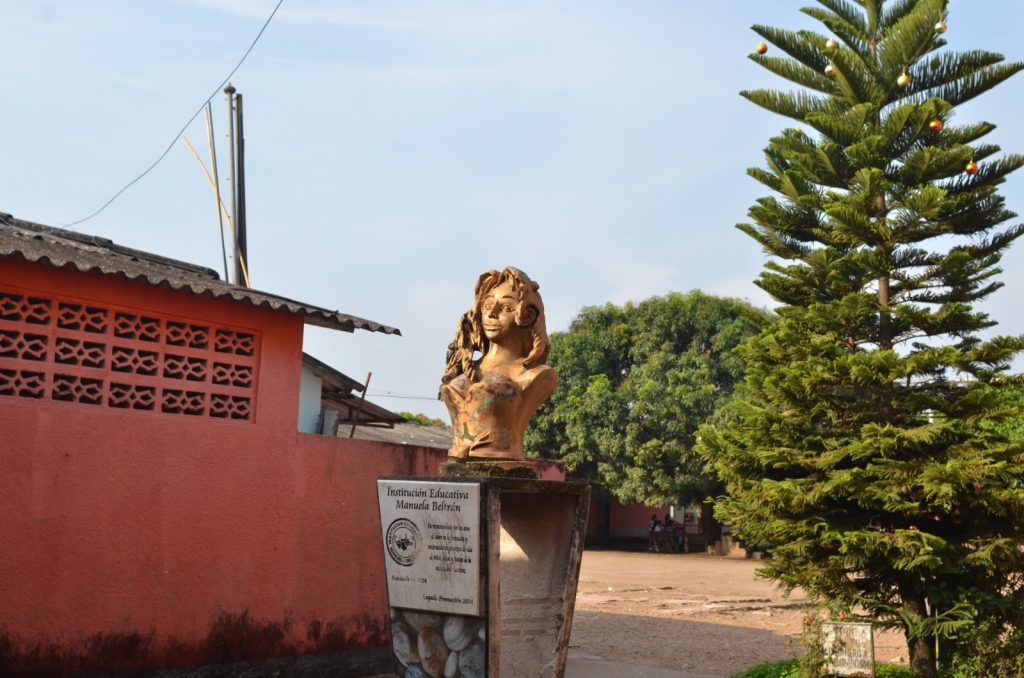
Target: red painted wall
{"x": 136, "y": 539}
{"x": 634, "y": 517}
{"x": 624, "y": 520}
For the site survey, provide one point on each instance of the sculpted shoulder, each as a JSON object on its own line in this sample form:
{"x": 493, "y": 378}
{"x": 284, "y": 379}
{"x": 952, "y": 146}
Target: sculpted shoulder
{"x": 540, "y": 377}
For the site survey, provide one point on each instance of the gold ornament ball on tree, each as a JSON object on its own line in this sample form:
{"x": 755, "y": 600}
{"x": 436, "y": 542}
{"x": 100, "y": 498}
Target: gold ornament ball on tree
{"x": 831, "y": 44}
{"x": 941, "y": 27}
{"x": 761, "y": 48}
{"x": 935, "y": 125}
{"x": 972, "y": 168}
{"x": 830, "y": 70}
{"x": 903, "y": 80}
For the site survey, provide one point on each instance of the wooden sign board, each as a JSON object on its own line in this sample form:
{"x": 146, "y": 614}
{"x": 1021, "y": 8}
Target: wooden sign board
{"x": 432, "y": 544}
{"x": 849, "y": 649}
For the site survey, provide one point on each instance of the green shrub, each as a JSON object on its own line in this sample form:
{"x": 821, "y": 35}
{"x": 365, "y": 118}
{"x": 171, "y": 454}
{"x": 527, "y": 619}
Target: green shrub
{"x": 892, "y": 671}
{"x": 991, "y": 650}
{"x": 790, "y": 668}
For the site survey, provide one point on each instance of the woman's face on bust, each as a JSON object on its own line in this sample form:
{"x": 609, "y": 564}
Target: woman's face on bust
{"x": 498, "y": 311}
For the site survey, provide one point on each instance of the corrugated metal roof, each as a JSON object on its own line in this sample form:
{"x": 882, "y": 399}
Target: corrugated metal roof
{"x": 90, "y": 254}
{"x": 348, "y": 404}
{"x": 405, "y": 433}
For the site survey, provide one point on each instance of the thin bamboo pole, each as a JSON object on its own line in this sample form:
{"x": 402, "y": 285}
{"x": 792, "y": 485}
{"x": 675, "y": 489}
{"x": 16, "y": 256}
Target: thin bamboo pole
{"x": 224, "y": 209}
{"x": 216, "y": 186}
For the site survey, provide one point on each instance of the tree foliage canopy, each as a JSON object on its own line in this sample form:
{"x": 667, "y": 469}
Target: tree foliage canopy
{"x": 867, "y": 443}
{"x": 421, "y": 419}
{"x": 634, "y": 382}
{"x": 1011, "y": 427}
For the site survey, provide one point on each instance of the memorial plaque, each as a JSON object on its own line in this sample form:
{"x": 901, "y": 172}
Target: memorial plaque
{"x": 849, "y": 649}
{"x": 432, "y": 544}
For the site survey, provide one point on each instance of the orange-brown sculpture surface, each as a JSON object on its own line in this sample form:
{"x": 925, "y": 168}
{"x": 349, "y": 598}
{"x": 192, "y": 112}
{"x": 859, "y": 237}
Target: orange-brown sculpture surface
{"x": 491, "y": 397}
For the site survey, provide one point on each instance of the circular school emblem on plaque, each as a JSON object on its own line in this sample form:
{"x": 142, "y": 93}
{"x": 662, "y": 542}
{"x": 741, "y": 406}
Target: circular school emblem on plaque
{"x": 402, "y": 540}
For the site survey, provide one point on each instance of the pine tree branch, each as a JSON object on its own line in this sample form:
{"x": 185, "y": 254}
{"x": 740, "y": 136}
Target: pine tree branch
{"x": 851, "y": 34}
{"x": 795, "y": 105}
{"x": 909, "y": 38}
{"x": 794, "y": 72}
{"x": 970, "y": 86}
{"x": 798, "y": 45}
{"x": 847, "y": 11}
{"x": 895, "y": 11}
{"x": 951, "y": 66}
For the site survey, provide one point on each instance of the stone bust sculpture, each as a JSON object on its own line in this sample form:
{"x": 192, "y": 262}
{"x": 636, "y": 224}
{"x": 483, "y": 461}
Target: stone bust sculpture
{"x": 491, "y": 397}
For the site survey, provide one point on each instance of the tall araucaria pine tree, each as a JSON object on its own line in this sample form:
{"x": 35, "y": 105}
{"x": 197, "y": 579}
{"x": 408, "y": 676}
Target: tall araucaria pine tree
{"x": 861, "y": 445}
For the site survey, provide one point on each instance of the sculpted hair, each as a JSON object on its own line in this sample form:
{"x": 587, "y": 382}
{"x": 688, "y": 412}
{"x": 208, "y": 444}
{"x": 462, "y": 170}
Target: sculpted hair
{"x": 470, "y": 337}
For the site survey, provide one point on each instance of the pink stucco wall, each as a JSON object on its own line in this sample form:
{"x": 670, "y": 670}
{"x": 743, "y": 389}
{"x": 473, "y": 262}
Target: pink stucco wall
{"x": 136, "y": 539}
{"x": 624, "y": 520}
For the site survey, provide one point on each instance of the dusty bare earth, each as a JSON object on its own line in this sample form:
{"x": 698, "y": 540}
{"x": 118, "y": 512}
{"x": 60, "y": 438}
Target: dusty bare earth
{"x": 690, "y": 612}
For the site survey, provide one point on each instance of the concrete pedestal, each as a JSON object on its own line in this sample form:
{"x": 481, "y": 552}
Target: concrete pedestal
{"x": 536, "y": 530}
{"x": 531, "y": 542}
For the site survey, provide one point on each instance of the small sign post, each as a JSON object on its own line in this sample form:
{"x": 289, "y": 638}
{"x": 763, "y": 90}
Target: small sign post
{"x": 433, "y": 553}
{"x": 481, "y": 573}
{"x": 849, "y": 649}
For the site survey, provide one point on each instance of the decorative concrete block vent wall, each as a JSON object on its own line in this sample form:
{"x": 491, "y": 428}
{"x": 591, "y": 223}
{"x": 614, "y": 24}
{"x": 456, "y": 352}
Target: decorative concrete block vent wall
{"x": 96, "y": 355}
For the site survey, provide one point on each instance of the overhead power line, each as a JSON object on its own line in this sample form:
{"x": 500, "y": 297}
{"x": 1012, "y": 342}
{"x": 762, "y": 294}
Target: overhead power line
{"x": 405, "y": 397}
{"x": 184, "y": 127}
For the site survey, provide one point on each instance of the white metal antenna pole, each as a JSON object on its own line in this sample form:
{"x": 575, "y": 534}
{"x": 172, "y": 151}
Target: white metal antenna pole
{"x": 230, "y": 92}
{"x": 216, "y": 187}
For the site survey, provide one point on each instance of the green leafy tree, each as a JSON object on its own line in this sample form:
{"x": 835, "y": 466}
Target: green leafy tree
{"x": 634, "y": 382}
{"x": 1012, "y": 428}
{"x": 421, "y": 419}
{"x": 864, "y": 443}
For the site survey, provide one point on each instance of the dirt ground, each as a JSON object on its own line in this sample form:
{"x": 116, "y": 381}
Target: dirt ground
{"x": 690, "y": 612}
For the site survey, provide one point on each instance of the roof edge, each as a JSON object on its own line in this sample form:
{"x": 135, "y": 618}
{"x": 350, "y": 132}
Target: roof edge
{"x": 39, "y": 244}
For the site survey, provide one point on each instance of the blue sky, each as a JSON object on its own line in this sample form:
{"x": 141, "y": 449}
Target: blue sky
{"x": 395, "y": 150}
